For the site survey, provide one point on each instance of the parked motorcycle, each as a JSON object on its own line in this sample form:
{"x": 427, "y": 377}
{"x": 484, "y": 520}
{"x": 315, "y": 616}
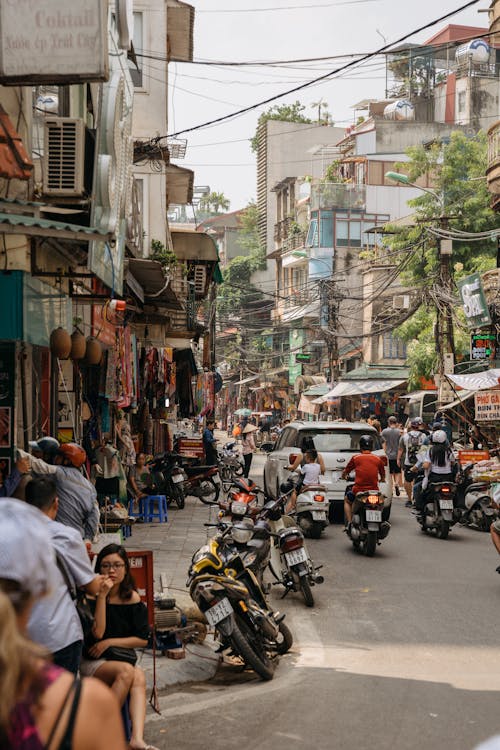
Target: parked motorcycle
{"x": 202, "y": 482}
{"x": 367, "y": 528}
{"x": 290, "y": 563}
{"x": 438, "y": 511}
{"x": 230, "y": 463}
{"x": 168, "y": 478}
{"x": 311, "y": 509}
{"x": 474, "y": 501}
{"x": 241, "y": 501}
{"x": 233, "y": 603}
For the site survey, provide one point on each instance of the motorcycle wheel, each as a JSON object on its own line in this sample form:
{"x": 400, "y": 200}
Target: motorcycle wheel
{"x": 178, "y": 496}
{"x": 315, "y": 530}
{"x": 209, "y": 492}
{"x": 285, "y": 639}
{"x": 252, "y": 655}
{"x": 306, "y": 591}
{"x": 370, "y": 544}
{"x": 443, "y": 530}
{"x": 486, "y": 522}
{"x": 238, "y": 471}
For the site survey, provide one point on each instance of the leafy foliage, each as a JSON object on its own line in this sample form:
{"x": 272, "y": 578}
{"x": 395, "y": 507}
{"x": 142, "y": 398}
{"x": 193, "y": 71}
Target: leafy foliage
{"x": 283, "y": 112}
{"x": 214, "y": 203}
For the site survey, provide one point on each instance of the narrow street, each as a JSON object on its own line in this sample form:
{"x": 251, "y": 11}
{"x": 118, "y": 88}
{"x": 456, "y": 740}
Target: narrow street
{"x": 396, "y": 653}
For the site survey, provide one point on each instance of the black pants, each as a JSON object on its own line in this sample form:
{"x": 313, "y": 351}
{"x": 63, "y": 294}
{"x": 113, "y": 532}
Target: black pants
{"x": 69, "y": 657}
{"x": 421, "y": 496}
{"x": 247, "y": 458}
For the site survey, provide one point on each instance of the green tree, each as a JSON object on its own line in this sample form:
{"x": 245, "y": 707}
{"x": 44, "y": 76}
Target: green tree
{"x": 214, "y": 203}
{"x": 248, "y": 236}
{"x": 457, "y": 170}
{"x": 283, "y": 112}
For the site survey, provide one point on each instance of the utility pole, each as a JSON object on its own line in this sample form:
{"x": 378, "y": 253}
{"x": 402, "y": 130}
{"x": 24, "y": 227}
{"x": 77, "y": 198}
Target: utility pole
{"x": 330, "y": 304}
{"x": 445, "y": 338}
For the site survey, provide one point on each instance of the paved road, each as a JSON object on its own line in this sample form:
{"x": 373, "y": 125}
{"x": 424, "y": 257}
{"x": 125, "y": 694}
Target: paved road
{"x": 400, "y": 652}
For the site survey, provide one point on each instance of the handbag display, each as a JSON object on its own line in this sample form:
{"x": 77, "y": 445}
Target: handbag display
{"x": 120, "y": 653}
{"x": 79, "y": 598}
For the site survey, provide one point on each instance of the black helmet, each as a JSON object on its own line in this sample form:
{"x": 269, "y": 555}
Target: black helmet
{"x": 366, "y": 443}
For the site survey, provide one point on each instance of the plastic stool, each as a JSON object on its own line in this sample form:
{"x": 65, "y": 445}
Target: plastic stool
{"x": 149, "y": 509}
{"x": 140, "y": 513}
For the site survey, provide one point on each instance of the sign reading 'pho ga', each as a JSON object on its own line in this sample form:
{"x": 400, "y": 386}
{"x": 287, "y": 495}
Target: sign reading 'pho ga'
{"x": 487, "y": 405}
{"x": 53, "y": 41}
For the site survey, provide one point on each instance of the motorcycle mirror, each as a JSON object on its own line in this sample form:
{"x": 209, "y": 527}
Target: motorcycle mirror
{"x": 267, "y": 447}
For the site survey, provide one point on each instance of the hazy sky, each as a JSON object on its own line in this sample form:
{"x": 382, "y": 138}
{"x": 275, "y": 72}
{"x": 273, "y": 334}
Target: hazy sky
{"x": 221, "y": 155}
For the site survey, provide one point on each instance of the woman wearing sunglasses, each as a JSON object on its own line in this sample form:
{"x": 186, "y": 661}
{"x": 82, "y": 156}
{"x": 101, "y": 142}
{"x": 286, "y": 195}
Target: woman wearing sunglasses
{"x": 121, "y": 625}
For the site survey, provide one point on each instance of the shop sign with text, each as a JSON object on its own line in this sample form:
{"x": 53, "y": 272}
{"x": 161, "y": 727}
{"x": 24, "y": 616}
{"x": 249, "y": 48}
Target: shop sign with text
{"x": 487, "y": 404}
{"x": 482, "y": 346}
{"x": 474, "y": 301}
{"x": 53, "y": 41}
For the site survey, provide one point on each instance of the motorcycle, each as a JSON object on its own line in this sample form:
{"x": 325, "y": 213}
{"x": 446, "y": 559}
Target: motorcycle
{"x": 311, "y": 510}
{"x": 367, "y": 528}
{"x": 438, "y": 511}
{"x": 168, "y": 478}
{"x": 230, "y": 463}
{"x": 241, "y": 501}
{"x": 290, "y": 562}
{"x": 474, "y": 501}
{"x": 233, "y": 603}
{"x": 202, "y": 482}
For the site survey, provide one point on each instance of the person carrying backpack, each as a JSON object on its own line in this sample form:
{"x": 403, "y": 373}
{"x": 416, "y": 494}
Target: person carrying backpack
{"x": 409, "y": 447}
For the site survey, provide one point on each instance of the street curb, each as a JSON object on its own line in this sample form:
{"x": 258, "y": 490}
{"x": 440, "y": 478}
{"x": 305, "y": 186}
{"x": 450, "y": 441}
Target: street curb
{"x": 201, "y": 664}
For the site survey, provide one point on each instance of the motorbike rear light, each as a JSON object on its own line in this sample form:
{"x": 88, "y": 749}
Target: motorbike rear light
{"x": 374, "y": 499}
{"x": 445, "y": 490}
{"x": 291, "y": 543}
{"x": 243, "y": 606}
{"x": 319, "y": 498}
{"x": 292, "y": 458}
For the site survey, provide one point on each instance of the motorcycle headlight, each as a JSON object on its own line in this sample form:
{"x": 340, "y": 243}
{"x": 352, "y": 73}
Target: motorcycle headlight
{"x": 200, "y": 554}
{"x": 238, "y": 508}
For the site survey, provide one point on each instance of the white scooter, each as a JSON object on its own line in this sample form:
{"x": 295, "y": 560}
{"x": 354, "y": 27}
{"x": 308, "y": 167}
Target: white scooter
{"x": 311, "y": 510}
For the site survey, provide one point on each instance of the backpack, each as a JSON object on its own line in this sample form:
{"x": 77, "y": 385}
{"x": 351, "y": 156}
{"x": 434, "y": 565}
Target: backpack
{"x": 236, "y": 431}
{"x": 413, "y": 443}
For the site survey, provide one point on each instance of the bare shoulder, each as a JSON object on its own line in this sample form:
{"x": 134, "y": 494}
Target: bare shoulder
{"x": 135, "y": 598}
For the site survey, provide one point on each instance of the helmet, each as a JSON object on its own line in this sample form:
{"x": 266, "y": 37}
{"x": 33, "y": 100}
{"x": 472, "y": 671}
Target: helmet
{"x": 73, "y": 453}
{"x": 45, "y": 445}
{"x": 415, "y": 422}
{"x": 439, "y": 436}
{"x": 242, "y": 531}
{"x": 366, "y": 443}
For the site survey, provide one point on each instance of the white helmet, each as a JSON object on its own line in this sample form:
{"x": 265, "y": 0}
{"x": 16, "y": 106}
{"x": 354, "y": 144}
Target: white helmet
{"x": 439, "y": 436}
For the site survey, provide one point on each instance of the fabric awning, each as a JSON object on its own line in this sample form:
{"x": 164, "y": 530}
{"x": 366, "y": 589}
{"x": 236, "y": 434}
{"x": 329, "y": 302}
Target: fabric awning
{"x": 462, "y": 396}
{"x": 361, "y": 387}
{"x": 192, "y": 245}
{"x": 415, "y": 395}
{"x": 477, "y": 381}
{"x": 307, "y": 406}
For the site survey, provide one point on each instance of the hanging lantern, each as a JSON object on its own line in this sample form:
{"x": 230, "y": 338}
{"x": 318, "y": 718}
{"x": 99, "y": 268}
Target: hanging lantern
{"x": 60, "y": 343}
{"x": 78, "y": 345}
{"x": 93, "y": 351}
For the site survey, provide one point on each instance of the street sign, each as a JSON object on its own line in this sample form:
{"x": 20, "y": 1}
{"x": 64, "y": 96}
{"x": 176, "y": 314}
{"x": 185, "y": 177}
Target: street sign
{"x": 474, "y": 301}
{"x": 482, "y": 346}
{"x": 487, "y": 405}
{"x": 302, "y": 357}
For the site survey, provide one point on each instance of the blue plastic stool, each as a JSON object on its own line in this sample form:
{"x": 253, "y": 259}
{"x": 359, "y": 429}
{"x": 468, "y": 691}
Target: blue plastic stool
{"x": 149, "y": 508}
{"x": 131, "y": 511}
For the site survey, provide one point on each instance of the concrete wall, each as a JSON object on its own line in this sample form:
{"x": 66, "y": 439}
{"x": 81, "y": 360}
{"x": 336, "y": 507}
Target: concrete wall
{"x": 382, "y": 199}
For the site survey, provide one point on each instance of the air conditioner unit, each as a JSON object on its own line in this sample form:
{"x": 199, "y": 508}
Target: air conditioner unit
{"x": 401, "y": 302}
{"x": 200, "y": 279}
{"x": 64, "y": 157}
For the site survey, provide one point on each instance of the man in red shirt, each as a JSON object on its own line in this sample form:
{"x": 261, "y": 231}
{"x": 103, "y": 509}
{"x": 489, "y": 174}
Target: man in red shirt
{"x": 368, "y": 468}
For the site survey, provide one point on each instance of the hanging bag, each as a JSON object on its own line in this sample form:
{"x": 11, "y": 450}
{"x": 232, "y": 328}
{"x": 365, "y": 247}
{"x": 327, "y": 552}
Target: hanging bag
{"x": 79, "y": 598}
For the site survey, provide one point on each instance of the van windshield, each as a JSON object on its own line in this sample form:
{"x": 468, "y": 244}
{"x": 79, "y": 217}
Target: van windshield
{"x": 337, "y": 441}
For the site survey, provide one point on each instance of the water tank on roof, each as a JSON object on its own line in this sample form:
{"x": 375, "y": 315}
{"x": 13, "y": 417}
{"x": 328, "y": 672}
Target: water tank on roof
{"x": 400, "y": 110}
{"x": 477, "y": 51}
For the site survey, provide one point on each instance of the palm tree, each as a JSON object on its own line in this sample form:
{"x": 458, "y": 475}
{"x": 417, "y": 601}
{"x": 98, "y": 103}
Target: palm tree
{"x": 215, "y": 202}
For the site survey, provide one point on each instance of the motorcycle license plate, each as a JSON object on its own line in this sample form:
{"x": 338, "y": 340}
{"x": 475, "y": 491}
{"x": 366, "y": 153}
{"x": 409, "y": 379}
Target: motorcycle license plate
{"x": 318, "y": 515}
{"x": 216, "y": 479}
{"x": 374, "y": 516}
{"x": 296, "y": 556}
{"x": 218, "y": 612}
{"x": 445, "y": 504}
{"x": 176, "y": 478}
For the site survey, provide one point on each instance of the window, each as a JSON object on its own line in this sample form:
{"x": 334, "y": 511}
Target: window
{"x": 336, "y": 441}
{"x": 138, "y": 41}
{"x": 461, "y": 101}
{"x": 394, "y": 348}
{"x": 287, "y": 439}
{"x": 312, "y": 234}
{"x": 326, "y": 229}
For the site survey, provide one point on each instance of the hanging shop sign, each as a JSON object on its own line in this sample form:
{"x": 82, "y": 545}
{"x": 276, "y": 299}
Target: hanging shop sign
{"x": 482, "y": 346}
{"x": 487, "y": 406}
{"x": 294, "y": 366}
{"x": 53, "y": 41}
{"x": 299, "y": 357}
{"x": 474, "y": 301}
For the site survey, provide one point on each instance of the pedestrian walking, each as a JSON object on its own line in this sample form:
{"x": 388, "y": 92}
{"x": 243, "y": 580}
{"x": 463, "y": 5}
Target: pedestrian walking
{"x": 390, "y": 438}
{"x": 210, "y": 443}
{"x": 248, "y": 446}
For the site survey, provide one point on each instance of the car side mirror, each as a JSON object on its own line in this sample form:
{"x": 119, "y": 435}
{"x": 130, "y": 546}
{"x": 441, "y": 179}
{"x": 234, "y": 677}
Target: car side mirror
{"x": 267, "y": 447}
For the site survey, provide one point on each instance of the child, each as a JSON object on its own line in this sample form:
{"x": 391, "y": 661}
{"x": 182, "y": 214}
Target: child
{"x": 310, "y": 472}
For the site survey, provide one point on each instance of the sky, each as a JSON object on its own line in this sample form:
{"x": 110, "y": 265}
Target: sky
{"x": 279, "y": 30}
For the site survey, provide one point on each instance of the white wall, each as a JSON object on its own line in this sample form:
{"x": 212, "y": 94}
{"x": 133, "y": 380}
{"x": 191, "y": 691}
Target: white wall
{"x": 382, "y": 199}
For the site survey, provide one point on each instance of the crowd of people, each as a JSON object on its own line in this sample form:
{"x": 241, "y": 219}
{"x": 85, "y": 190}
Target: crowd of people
{"x": 69, "y": 630}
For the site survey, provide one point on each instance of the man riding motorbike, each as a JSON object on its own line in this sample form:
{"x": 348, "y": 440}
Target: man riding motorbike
{"x": 439, "y": 465}
{"x": 368, "y": 468}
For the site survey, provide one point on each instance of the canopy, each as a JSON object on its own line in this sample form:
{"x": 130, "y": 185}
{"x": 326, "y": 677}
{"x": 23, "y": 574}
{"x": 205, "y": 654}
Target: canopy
{"x": 462, "y": 396}
{"x": 477, "y": 381}
{"x": 359, "y": 388}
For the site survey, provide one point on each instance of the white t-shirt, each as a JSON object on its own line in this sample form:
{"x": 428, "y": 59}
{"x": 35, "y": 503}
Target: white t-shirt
{"x": 311, "y": 473}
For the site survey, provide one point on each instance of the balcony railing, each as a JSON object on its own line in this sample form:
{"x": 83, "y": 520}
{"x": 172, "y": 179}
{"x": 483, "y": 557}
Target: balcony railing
{"x": 493, "y": 169}
{"x": 341, "y": 195}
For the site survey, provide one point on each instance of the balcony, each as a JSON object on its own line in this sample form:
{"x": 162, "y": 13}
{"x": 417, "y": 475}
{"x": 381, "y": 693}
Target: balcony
{"x": 493, "y": 169}
{"x": 338, "y": 195}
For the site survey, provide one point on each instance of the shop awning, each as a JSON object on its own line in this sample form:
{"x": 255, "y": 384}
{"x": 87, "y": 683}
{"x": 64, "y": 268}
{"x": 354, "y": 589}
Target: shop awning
{"x": 462, "y": 396}
{"x": 34, "y": 227}
{"x": 307, "y": 406}
{"x": 306, "y": 381}
{"x": 15, "y": 162}
{"x": 477, "y": 381}
{"x": 156, "y": 286}
{"x": 192, "y": 245}
{"x": 321, "y": 389}
{"x": 361, "y": 387}
{"x": 180, "y": 25}
{"x": 179, "y": 184}
{"x": 415, "y": 395}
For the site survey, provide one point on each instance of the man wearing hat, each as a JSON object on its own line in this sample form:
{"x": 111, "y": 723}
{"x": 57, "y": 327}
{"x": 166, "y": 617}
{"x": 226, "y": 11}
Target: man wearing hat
{"x": 248, "y": 446}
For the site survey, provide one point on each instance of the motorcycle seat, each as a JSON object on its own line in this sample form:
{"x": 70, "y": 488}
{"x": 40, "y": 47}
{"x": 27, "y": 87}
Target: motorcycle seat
{"x": 478, "y": 487}
{"x": 314, "y": 487}
{"x": 193, "y": 470}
